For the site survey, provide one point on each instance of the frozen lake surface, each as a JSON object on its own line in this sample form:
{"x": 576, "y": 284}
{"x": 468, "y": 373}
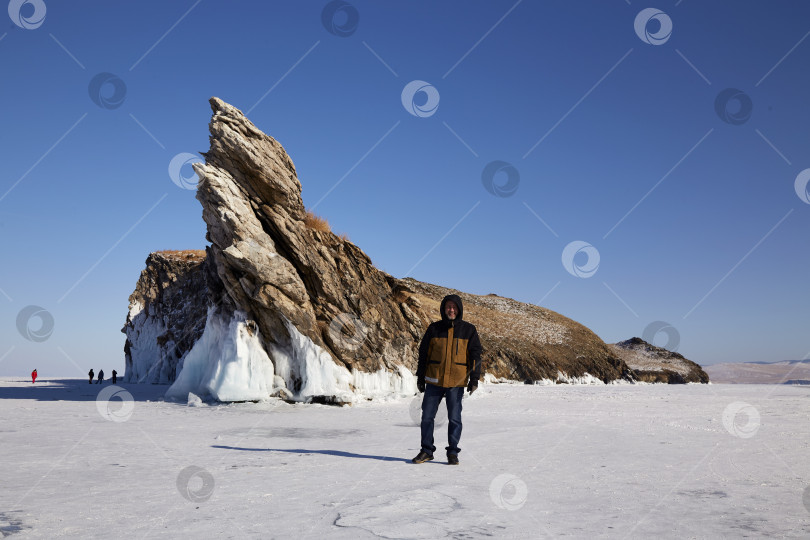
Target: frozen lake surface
{"x": 617, "y": 461}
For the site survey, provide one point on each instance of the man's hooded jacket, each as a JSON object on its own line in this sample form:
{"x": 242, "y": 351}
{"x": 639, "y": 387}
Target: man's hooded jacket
{"x": 450, "y": 351}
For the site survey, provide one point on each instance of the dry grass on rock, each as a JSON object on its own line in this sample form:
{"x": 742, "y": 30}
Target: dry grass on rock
{"x": 193, "y": 255}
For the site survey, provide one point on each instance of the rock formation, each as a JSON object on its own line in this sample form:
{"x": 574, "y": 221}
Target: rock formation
{"x": 655, "y": 364}
{"x": 281, "y": 306}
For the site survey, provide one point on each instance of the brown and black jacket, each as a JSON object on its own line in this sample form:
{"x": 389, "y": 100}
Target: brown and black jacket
{"x": 450, "y": 351}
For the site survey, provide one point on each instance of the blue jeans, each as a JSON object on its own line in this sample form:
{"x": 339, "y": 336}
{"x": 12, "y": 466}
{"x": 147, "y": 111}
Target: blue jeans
{"x": 430, "y": 404}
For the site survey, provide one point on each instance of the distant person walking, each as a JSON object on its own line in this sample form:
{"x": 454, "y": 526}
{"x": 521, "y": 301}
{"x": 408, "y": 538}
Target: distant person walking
{"x": 91, "y": 374}
{"x": 34, "y": 376}
{"x": 449, "y": 360}
{"x": 100, "y": 376}
{"x": 115, "y": 376}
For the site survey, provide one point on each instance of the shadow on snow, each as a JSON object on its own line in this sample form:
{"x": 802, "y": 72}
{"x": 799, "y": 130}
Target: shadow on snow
{"x": 74, "y": 390}
{"x": 339, "y": 453}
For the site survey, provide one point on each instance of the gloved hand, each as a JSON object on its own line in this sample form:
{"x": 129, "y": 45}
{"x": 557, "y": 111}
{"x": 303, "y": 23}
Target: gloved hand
{"x": 420, "y": 384}
{"x": 472, "y": 387}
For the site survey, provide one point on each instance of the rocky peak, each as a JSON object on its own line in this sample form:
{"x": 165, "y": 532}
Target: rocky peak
{"x": 276, "y": 268}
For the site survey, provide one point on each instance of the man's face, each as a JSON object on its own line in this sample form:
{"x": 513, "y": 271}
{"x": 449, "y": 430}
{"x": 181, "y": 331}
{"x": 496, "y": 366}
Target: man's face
{"x": 451, "y": 310}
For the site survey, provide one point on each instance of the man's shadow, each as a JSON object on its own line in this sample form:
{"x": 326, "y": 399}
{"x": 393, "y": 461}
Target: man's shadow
{"x": 303, "y": 451}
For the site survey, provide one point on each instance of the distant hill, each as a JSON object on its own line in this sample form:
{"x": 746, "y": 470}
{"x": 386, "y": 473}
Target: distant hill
{"x": 784, "y": 372}
{"x": 658, "y": 365}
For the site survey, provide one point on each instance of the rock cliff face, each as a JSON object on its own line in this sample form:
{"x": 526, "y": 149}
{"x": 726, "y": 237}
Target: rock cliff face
{"x": 655, "y": 364}
{"x": 278, "y": 307}
{"x": 166, "y": 315}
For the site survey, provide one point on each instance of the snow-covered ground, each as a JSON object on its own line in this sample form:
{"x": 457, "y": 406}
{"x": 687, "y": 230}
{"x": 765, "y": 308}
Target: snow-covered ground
{"x": 616, "y": 461}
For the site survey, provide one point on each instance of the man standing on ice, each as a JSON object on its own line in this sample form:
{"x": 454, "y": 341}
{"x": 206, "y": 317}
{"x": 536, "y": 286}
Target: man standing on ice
{"x": 449, "y": 361}
{"x": 34, "y": 376}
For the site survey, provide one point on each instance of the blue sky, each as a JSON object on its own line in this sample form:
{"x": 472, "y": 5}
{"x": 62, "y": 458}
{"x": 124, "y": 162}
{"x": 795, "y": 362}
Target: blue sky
{"x": 612, "y": 136}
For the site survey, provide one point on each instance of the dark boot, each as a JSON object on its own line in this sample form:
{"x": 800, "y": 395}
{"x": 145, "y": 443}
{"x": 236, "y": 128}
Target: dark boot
{"x": 422, "y": 457}
{"x": 452, "y": 459}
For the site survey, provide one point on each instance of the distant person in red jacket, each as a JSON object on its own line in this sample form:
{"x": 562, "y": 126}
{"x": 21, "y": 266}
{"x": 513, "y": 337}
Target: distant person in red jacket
{"x": 33, "y": 376}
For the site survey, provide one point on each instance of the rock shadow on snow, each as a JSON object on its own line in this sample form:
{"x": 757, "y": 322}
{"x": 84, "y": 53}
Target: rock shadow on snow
{"x": 76, "y": 390}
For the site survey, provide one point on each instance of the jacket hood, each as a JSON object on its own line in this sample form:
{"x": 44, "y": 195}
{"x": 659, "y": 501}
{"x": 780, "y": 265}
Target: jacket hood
{"x": 455, "y": 298}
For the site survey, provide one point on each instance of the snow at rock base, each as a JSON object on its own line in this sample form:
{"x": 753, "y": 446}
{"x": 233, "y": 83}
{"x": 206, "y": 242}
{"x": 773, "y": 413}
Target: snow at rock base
{"x": 229, "y": 363}
{"x": 144, "y": 348}
{"x": 226, "y": 364}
